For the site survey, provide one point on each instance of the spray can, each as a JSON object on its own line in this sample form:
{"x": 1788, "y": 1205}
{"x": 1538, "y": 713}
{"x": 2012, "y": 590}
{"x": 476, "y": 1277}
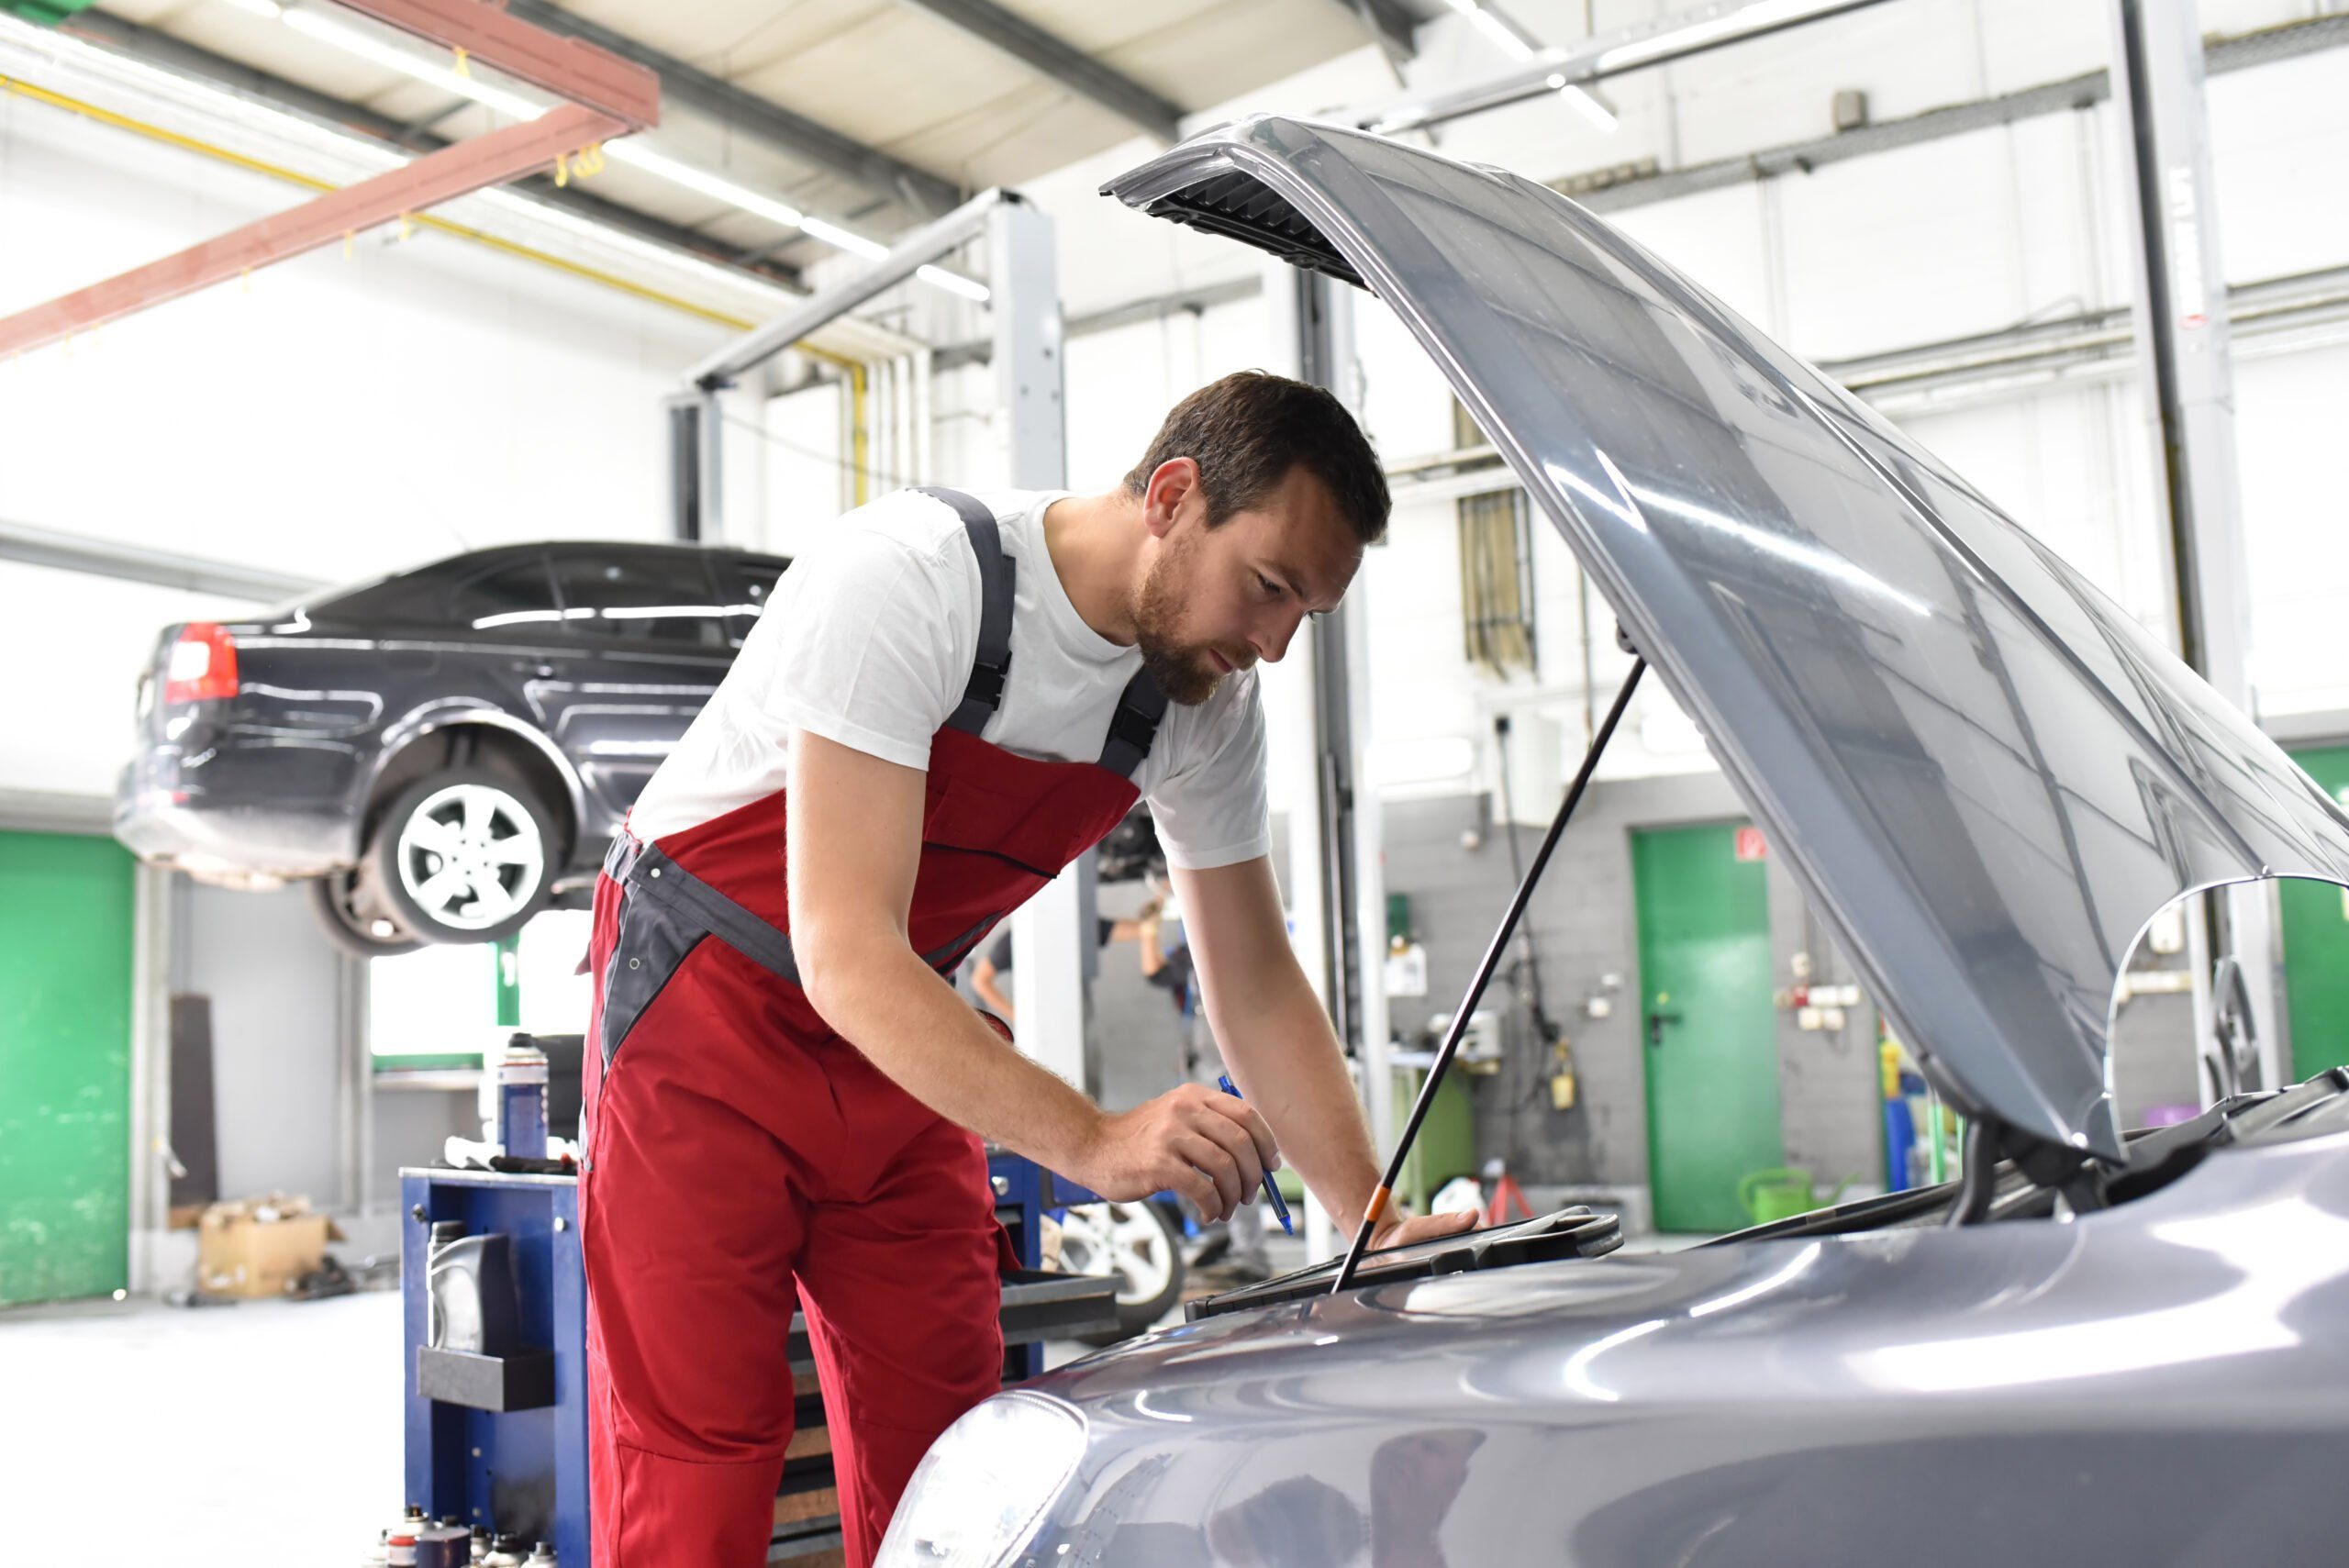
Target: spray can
{"x": 478, "y": 1547}
{"x": 541, "y": 1555}
{"x": 522, "y": 1099}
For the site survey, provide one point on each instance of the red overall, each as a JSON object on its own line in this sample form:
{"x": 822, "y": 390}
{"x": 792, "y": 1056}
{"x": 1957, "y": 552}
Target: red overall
{"x": 743, "y": 1161}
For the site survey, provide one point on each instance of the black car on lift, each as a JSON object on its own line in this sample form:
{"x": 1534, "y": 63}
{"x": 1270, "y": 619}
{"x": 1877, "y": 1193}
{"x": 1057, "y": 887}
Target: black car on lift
{"x": 442, "y": 753}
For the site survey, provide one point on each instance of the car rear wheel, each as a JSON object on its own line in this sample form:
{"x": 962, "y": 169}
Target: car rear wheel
{"x": 465, "y": 856}
{"x": 1138, "y": 1244}
{"x": 355, "y": 916}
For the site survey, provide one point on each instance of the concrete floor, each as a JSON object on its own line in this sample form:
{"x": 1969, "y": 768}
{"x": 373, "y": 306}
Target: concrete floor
{"x": 267, "y": 1432}
{"x": 215, "y": 1437}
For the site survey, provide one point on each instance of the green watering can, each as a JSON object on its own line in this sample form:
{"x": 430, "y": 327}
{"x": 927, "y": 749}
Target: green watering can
{"x": 1781, "y": 1194}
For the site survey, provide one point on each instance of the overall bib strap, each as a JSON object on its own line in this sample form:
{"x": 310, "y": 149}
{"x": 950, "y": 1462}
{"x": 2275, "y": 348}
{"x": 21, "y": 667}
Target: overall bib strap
{"x": 998, "y": 576}
{"x": 1134, "y": 725}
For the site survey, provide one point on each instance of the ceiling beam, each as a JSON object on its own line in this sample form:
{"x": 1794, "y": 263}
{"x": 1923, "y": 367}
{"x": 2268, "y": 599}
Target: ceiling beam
{"x": 1058, "y": 60}
{"x": 611, "y": 84}
{"x": 458, "y": 169}
{"x": 137, "y": 563}
{"x": 716, "y": 99}
{"x": 161, "y": 49}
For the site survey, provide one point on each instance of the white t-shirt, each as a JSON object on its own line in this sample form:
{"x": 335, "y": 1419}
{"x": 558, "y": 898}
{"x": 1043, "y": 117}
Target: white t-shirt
{"x": 869, "y": 639}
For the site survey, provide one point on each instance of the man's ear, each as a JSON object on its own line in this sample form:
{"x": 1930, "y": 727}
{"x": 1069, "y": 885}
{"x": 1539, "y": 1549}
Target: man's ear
{"x": 1171, "y": 484}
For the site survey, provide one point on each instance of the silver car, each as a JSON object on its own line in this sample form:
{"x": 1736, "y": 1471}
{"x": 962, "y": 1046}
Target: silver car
{"x": 2101, "y": 1347}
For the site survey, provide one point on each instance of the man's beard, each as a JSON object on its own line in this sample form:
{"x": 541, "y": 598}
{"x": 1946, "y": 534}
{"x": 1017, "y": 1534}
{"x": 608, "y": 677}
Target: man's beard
{"x": 1183, "y": 673}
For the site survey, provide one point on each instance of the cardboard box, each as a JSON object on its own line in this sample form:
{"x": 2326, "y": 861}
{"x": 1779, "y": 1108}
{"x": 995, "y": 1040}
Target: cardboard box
{"x": 258, "y": 1247}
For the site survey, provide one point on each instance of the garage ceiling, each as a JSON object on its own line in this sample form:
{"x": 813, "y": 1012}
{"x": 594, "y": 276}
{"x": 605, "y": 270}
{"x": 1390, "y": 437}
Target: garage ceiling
{"x": 965, "y": 91}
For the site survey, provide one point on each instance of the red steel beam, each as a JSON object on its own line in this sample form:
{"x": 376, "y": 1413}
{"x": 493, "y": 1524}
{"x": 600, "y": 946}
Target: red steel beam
{"x": 454, "y": 171}
{"x": 566, "y": 67}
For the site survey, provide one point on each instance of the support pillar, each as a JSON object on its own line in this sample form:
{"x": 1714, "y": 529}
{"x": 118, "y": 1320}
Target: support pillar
{"x": 1049, "y": 930}
{"x": 2186, "y": 371}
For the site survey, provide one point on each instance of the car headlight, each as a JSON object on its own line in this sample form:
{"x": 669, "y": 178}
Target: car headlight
{"x": 980, "y": 1490}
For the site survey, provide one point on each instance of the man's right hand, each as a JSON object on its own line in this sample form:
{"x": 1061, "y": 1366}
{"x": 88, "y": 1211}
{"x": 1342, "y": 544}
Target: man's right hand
{"x": 1209, "y": 1146}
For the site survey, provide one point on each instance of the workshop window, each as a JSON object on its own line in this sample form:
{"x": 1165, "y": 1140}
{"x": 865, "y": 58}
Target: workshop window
{"x": 1497, "y": 583}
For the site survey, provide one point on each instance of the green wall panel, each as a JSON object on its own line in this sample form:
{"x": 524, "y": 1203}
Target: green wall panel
{"x": 65, "y": 934}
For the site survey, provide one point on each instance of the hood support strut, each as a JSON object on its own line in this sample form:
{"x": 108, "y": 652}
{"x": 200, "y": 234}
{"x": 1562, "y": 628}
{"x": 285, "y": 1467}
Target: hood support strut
{"x": 1493, "y": 954}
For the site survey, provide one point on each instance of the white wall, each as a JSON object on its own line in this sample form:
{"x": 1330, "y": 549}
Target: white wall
{"x": 330, "y": 417}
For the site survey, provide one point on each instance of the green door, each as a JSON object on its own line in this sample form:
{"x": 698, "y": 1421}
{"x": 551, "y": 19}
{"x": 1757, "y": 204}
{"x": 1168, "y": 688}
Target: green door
{"x": 2316, "y": 944}
{"x": 65, "y": 930}
{"x": 1706, "y": 1016}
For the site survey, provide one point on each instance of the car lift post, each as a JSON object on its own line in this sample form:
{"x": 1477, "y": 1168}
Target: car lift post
{"x": 2186, "y": 371}
{"x": 1048, "y": 983}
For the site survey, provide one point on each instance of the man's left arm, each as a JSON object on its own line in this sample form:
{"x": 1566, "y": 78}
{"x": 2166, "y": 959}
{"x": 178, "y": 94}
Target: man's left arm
{"x": 1277, "y": 1042}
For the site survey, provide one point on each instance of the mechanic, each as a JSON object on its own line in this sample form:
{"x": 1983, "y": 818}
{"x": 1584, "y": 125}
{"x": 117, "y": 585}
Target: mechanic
{"x": 955, "y": 697}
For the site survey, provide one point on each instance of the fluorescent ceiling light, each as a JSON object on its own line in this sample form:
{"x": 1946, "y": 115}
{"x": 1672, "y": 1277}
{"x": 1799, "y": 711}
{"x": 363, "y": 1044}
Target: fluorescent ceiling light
{"x": 1596, "y": 109}
{"x": 955, "y": 282}
{"x": 630, "y": 151}
{"x": 1501, "y": 33}
{"x": 636, "y": 155}
{"x": 1521, "y": 47}
{"x": 382, "y": 52}
{"x": 269, "y": 8}
{"x": 855, "y": 244}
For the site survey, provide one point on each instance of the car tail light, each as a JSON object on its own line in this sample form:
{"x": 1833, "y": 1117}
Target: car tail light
{"x": 203, "y": 666}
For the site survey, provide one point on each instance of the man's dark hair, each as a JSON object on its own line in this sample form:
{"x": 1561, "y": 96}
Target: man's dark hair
{"x": 1248, "y": 430}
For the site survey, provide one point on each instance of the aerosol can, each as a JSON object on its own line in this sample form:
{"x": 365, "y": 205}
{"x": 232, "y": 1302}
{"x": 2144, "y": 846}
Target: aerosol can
{"x": 542, "y": 1556}
{"x": 411, "y": 1520}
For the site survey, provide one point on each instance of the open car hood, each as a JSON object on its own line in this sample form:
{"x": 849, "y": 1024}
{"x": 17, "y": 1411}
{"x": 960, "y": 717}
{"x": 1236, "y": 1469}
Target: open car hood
{"x": 1983, "y": 771}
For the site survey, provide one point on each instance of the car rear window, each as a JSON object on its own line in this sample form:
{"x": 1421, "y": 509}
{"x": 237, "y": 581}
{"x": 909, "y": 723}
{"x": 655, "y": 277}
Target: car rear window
{"x": 658, "y": 596}
{"x": 750, "y": 581}
{"x": 518, "y": 593}
{"x": 514, "y": 591}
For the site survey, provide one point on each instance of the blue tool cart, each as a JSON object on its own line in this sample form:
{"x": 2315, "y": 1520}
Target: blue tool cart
{"x": 501, "y": 1439}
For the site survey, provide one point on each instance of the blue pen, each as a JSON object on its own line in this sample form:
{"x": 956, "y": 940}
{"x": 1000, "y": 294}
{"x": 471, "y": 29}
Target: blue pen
{"x": 1280, "y": 1210}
